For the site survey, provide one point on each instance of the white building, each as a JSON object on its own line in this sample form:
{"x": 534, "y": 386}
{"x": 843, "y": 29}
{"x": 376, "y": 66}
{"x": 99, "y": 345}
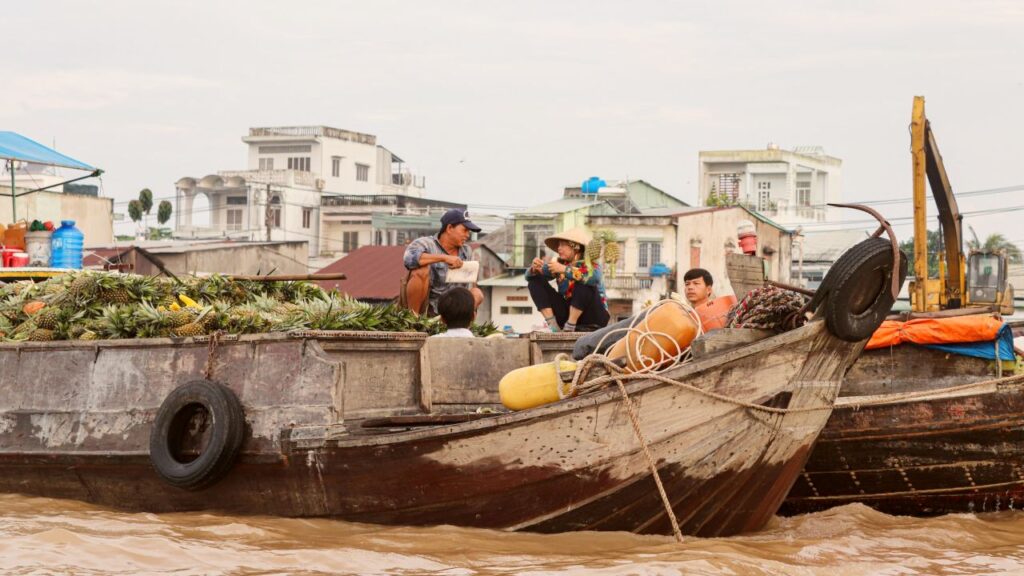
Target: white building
{"x": 291, "y": 172}
{"x": 790, "y": 187}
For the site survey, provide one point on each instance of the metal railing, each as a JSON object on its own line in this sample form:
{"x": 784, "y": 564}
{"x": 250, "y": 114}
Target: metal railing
{"x": 628, "y": 282}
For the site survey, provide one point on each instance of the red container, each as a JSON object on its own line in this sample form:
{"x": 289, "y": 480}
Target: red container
{"x": 748, "y": 243}
{"x": 19, "y": 259}
{"x": 5, "y": 256}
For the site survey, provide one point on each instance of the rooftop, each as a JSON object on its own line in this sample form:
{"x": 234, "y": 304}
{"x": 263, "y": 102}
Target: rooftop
{"x": 374, "y": 273}
{"x": 310, "y": 132}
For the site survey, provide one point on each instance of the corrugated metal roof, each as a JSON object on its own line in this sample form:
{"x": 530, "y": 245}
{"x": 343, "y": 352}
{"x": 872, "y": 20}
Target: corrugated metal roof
{"x": 374, "y": 273}
{"x": 505, "y": 280}
{"x": 560, "y": 206}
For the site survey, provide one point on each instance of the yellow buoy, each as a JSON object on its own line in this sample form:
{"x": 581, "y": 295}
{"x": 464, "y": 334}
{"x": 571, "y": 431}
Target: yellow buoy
{"x": 532, "y": 386}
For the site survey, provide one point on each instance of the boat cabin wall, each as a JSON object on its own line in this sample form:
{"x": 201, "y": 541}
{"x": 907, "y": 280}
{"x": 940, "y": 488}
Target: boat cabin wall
{"x": 84, "y": 396}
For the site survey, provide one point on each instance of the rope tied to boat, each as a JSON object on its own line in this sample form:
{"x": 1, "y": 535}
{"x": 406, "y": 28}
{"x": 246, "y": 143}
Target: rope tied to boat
{"x": 211, "y": 354}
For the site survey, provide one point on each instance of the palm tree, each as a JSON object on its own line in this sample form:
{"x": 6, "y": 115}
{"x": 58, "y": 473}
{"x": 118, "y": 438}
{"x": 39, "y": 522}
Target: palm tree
{"x": 995, "y": 242}
{"x": 934, "y": 247}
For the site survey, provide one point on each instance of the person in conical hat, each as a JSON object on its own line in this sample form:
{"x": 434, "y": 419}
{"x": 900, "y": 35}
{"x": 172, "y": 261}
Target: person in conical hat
{"x": 579, "y": 301}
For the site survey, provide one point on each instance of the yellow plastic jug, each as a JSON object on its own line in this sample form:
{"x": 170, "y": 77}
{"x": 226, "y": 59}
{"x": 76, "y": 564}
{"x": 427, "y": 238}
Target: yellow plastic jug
{"x": 532, "y": 386}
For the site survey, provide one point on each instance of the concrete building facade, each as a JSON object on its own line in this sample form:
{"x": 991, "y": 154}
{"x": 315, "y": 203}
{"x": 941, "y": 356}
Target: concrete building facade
{"x": 791, "y": 187}
{"x": 298, "y": 187}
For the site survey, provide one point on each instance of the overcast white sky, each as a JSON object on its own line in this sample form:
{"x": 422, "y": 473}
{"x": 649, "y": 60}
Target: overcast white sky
{"x": 503, "y": 103}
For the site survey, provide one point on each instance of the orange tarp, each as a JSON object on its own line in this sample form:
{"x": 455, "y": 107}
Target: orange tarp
{"x": 973, "y": 328}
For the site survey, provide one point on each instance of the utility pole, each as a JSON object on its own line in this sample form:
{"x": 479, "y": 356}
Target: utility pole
{"x": 267, "y": 217}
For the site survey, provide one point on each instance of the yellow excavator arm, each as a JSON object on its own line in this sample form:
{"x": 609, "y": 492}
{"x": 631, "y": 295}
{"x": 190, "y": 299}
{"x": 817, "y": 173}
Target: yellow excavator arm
{"x": 986, "y": 283}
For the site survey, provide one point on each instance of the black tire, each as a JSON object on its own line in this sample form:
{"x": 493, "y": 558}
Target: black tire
{"x": 859, "y": 295}
{"x": 191, "y": 405}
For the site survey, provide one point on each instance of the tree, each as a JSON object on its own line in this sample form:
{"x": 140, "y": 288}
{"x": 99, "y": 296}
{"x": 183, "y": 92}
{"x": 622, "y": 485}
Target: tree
{"x": 163, "y": 212}
{"x": 934, "y": 247}
{"x": 995, "y": 243}
{"x": 146, "y": 198}
{"x": 135, "y": 210}
{"x": 146, "y": 203}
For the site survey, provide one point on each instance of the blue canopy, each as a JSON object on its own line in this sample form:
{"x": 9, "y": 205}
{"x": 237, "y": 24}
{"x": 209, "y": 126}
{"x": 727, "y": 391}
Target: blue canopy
{"x": 14, "y": 146}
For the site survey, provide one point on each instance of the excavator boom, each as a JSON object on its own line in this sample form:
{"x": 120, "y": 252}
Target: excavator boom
{"x": 946, "y": 291}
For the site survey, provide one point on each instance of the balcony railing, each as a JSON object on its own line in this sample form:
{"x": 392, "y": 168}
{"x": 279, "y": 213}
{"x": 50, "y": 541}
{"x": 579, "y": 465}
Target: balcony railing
{"x": 279, "y": 177}
{"x": 628, "y": 283}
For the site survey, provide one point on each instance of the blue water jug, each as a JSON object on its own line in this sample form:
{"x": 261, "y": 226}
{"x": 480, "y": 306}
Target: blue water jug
{"x": 66, "y": 246}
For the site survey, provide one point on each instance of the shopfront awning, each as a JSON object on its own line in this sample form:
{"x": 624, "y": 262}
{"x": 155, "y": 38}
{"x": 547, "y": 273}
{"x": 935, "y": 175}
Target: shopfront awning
{"x": 14, "y": 146}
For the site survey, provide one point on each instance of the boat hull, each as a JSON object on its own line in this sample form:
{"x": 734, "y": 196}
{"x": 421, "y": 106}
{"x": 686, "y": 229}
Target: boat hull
{"x": 573, "y": 465}
{"x": 958, "y": 449}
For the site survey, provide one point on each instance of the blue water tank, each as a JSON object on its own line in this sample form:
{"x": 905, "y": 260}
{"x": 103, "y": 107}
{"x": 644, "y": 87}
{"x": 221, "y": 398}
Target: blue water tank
{"x": 66, "y": 246}
{"x": 659, "y": 269}
{"x": 592, "y": 185}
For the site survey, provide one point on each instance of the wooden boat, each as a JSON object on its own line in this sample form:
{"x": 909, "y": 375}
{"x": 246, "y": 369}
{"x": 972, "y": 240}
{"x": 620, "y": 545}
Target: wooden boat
{"x": 919, "y": 432}
{"x": 334, "y": 427}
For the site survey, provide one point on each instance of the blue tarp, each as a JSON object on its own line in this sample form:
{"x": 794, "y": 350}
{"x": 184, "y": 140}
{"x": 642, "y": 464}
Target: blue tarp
{"x": 14, "y": 146}
{"x": 986, "y": 350}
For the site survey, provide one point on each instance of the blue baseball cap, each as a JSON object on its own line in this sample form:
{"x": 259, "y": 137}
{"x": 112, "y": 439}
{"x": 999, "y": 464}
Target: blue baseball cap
{"x": 458, "y": 216}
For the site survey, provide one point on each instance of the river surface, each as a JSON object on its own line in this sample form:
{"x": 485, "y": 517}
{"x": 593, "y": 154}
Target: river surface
{"x": 43, "y": 536}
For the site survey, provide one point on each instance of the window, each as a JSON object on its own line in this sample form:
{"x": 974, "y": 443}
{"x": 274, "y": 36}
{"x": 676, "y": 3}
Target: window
{"x": 533, "y": 241}
{"x": 300, "y": 163}
{"x": 362, "y": 173}
{"x": 275, "y": 212}
{"x": 729, "y": 186}
{"x": 648, "y": 254}
{"x": 764, "y": 200}
{"x": 514, "y": 310}
{"x": 349, "y": 241}
{"x": 336, "y": 166}
{"x": 266, "y": 163}
{"x": 518, "y": 298}
{"x": 234, "y": 222}
{"x": 236, "y": 201}
{"x": 307, "y": 217}
{"x": 764, "y": 185}
{"x": 803, "y": 193}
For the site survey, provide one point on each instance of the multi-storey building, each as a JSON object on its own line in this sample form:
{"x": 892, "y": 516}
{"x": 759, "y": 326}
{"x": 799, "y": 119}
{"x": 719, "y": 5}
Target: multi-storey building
{"x": 790, "y": 187}
{"x": 314, "y": 183}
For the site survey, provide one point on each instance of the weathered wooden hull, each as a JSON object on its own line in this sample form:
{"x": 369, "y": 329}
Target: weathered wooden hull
{"x": 572, "y": 465}
{"x": 952, "y": 451}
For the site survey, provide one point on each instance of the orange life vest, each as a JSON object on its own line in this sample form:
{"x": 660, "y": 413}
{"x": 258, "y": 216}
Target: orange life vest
{"x": 714, "y": 314}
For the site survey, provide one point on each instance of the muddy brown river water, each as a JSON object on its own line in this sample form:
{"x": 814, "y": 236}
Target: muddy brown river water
{"x": 43, "y": 536}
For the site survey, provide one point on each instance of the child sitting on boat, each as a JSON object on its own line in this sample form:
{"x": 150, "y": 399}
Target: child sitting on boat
{"x": 457, "y": 309}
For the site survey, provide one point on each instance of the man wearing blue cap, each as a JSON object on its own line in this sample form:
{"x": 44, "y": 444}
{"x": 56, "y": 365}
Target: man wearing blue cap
{"x": 429, "y": 258}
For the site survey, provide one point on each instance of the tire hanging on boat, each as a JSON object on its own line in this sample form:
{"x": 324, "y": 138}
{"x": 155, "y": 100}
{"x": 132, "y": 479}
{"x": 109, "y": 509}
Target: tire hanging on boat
{"x": 192, "y": 406}
{"x": 856, "y": 291}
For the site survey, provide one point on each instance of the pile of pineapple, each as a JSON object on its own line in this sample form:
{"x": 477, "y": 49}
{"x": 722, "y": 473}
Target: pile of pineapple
{"x": 90, "y": 305}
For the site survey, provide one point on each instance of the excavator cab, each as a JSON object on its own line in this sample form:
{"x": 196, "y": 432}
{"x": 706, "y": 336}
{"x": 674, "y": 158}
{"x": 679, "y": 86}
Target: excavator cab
{"x": 986, "y": 281}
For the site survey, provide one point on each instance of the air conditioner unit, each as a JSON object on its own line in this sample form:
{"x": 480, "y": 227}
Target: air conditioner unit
{"x": 320, "y": 183}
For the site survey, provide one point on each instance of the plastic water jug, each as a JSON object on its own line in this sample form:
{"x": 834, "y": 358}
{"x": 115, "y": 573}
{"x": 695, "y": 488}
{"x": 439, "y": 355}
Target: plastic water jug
{"x": 66, "y": 246}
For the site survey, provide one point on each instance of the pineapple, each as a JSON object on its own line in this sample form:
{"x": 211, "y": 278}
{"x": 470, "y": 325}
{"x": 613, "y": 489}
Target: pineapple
{"x": 89, "y": 335}
{"x": 178, "y": 318}
{"x": 41, "y": 335}
{"x": 47, "y": 318}
{"x": 192, "y": 329}
{"x": 83, "y": 285}
{"x": 594, "y": 249}
{"x": 611, "y": 254}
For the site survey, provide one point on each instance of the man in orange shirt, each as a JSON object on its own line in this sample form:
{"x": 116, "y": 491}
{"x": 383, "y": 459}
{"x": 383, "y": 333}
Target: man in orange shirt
{"x": 713, "y": 312}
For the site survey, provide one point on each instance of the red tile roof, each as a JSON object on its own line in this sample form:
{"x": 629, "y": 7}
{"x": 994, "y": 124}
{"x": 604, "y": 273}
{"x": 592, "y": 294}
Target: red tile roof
{"x": 374, "y": 273}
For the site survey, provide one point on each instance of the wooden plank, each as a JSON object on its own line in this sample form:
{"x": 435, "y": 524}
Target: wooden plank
{"x": 726, "y": 339}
